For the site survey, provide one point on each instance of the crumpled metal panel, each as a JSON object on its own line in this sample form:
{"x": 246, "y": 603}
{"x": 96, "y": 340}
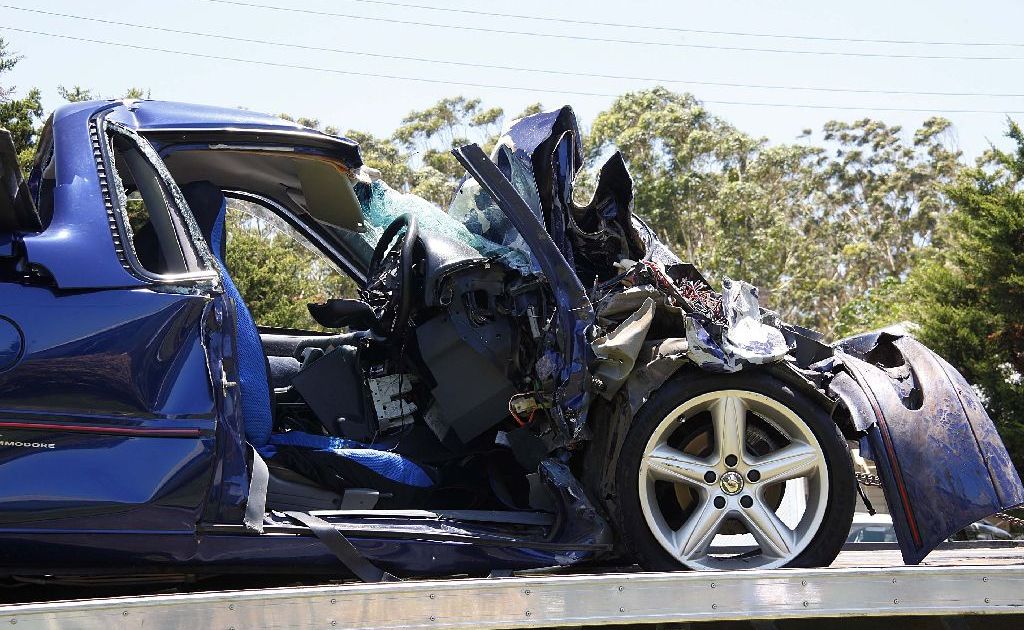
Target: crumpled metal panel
{"x": 1004, "y": 474}
{"x": 938, "y": 454}
{"x": 641, "y": 358}
{"x": 656, "y": 362}
{"x": 570, "y": 359}
{"x": 743, "y": 340}
{"x": 545, "y": 149}
{"x": 656, "y": 250}
{"x": 617, "y": 351}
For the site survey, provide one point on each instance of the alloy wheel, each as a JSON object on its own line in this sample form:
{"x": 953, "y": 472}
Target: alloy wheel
{"x": 735, "y": 520}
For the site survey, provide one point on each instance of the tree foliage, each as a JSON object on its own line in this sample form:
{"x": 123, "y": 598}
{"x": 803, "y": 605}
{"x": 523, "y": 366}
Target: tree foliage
{"x": 966, "y": 294}
{"x": 812, "y": 226}
{"x": 24, "y": 116}
{"x": 78, "y": 94}
{"x": 21, "y": 116}
{"x": 430, "y": 134}
{"x": 884, "y": 200}
{"x": 277, "y": 273}
{"x": 75, "y": 94}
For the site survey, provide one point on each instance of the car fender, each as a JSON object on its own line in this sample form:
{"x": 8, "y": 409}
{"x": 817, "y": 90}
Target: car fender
{"x": 940, "y": 460}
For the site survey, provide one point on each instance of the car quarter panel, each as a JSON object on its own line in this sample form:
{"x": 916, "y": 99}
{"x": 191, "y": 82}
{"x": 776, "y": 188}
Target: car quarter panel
{"x": 77, "y": 248}
{"x": 108, "y": 412}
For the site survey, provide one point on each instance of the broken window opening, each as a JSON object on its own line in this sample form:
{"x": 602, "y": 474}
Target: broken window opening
{"x": 154, "y": 231}
{"x": 477, "y": 223}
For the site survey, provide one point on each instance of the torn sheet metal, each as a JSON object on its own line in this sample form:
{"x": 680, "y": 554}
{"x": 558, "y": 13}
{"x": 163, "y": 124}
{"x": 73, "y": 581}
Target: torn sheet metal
{"x": 617, "y": 351}
{"x": 938, "y": 454}
{"x": 540, "y": 156}
{"x": 742, "y": 340}
{"x": 572, "y": 356}
{"x": 655, "y": 250}
{"x": 614, "y": 308}
{"x": 656, "y": 362}
{"x": 746, "y": 339}
{"x": 725, "y": 332}
{"x": 592, "y": 238}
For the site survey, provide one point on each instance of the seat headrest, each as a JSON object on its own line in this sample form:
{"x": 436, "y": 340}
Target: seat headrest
{"x": 207, "y": 204}
{"x": 17, "y": 211}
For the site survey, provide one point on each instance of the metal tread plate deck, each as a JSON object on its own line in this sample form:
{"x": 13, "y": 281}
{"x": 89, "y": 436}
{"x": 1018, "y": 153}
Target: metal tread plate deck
{"x": 555, "y": 600}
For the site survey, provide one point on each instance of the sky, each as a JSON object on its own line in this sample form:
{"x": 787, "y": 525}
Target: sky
{"x": 337, "y": 86}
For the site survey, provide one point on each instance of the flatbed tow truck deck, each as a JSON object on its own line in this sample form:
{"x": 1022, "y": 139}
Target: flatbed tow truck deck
{"x": 959, "y": 586}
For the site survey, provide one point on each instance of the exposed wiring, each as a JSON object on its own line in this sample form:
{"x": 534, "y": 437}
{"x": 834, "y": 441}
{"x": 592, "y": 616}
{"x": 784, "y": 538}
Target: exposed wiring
{"x": 515, "y": 415}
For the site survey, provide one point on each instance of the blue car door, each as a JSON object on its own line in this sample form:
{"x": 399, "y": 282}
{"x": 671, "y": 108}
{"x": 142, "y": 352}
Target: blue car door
{"x": 109, "y": 395}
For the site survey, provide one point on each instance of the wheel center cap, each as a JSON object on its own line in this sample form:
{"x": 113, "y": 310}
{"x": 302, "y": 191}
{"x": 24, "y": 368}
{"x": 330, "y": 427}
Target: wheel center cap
{"x": 732, "y": 482}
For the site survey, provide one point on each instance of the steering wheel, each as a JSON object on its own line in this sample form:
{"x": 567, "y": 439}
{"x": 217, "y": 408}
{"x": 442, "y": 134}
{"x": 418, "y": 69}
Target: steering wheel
{"x": 389, "y": 278}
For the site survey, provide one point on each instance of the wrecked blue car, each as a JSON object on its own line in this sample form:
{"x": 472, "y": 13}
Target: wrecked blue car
{"x": 524, "y": 382}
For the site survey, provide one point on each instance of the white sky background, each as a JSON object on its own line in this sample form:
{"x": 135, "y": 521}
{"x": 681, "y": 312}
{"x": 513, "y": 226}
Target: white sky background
{"x": 378, "y": 104}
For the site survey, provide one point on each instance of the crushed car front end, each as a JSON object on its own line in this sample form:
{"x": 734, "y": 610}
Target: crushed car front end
{"x": 646, "y": 317}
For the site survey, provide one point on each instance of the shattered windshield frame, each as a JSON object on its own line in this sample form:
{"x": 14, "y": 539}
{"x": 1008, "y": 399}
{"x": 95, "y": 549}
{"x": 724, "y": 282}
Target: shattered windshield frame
{"x": 473, "y": 219}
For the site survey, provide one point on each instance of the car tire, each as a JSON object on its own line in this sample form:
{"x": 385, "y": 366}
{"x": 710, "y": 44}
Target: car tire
{"x": 781, "y": 427}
